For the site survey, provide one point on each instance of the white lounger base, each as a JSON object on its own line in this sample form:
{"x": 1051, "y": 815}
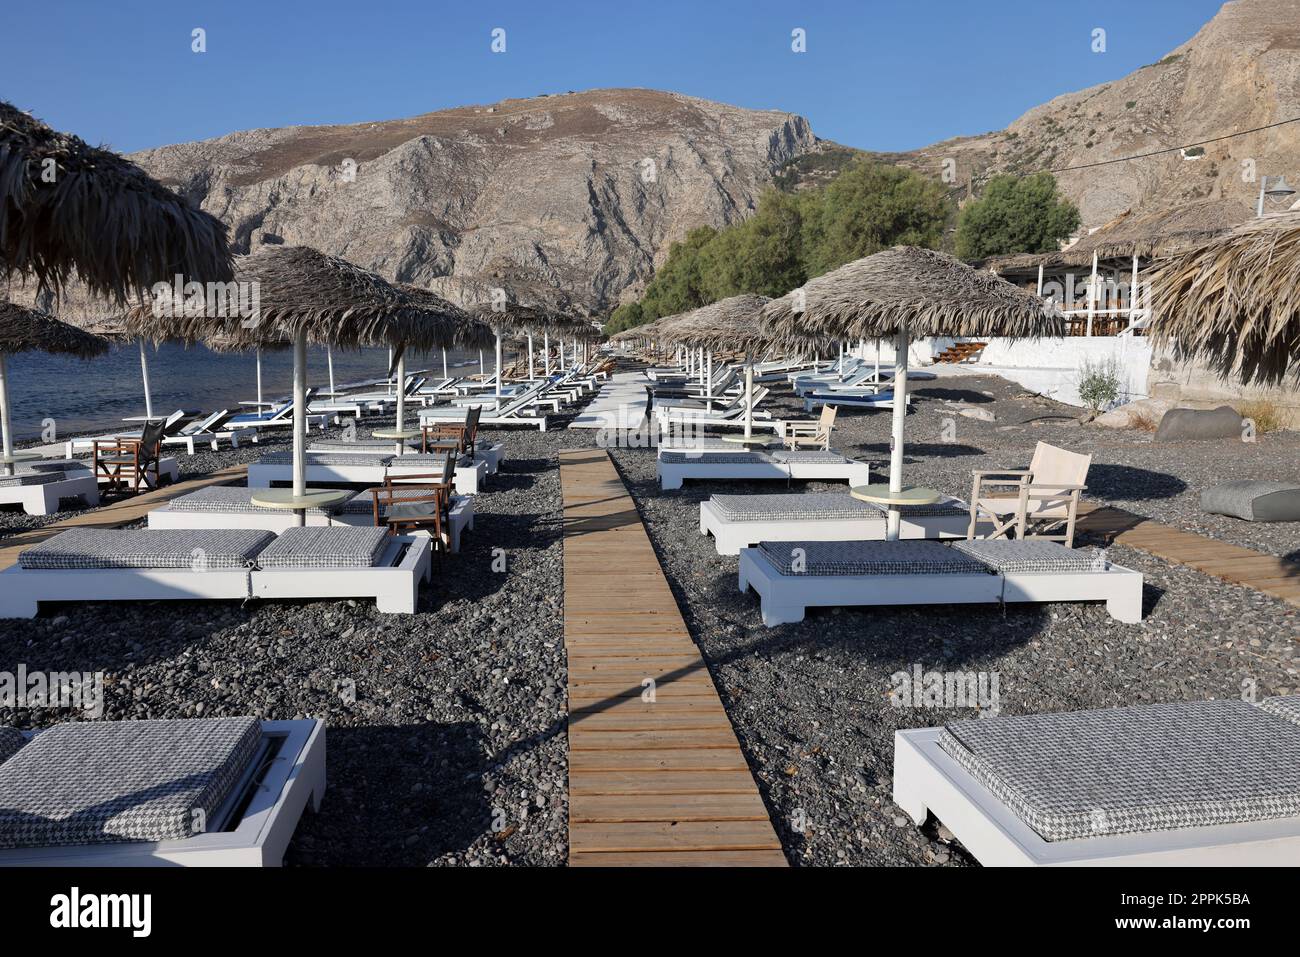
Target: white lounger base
{"x": 786, "y": 598}
{"x": 730, "y": 537}
{"x": 927, "y": 779}
{"x": 44, "y": 499}
{"x": 295, "y": 778}
{"x": 469, "y": 480}
{"x": 392, "y": 584}
{"x": 671, "y": 474}
{"x": 462, "y": 518}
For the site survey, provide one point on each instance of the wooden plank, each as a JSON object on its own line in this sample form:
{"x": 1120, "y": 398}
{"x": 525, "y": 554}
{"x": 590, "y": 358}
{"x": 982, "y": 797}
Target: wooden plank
{"x": 650, "y": 782}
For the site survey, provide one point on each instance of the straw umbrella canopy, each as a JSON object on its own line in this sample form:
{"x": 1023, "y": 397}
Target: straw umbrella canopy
{"x": 1235, "y": 302}
{"x": 510, "y": 318}
{"x": 68, "y": 209}
{"x": 471, "y": 333}
{"x": 905, "y": 292}
{"x": 303, "y": 295}
{"x": 25, "y": 330}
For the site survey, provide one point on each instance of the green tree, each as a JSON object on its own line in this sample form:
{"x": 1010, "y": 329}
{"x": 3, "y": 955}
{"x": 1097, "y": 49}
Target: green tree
{"x": 625, "y": 317}
{"x": 1016, "y": 215}
{"x": 870, "y": 207}
{"x": 679, "y": 283}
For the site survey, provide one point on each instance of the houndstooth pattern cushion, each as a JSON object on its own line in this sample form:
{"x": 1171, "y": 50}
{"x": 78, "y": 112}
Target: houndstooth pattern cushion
{"x": 11, "y": 739}
{"x": 29, "y": 478}
{"x": 326, "y": 458}
{"x": 1029, "y": 557}
{"x": 1287, "y": 707}
{"x": 98, "y": 783}
{"x": 710, "y": 458}
{"x": 917, "y": 557}
{"x": 363, "y": 503}
{"x": 1149, "y": 768}
{"x": 813, "y": 506}
{"x": 418, "y": 460}
{"x": 224, "y": 499}
{"x": 379, "y": 446}
{"x": 209, "y": 548}
{"x": 332, "y": 547}
{"x": 809, "y": 458}
{"x": 944, "y": 508}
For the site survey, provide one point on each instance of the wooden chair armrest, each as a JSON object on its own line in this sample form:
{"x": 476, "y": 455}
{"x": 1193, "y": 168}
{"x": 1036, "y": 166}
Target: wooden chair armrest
{"x": 981, "y": 474}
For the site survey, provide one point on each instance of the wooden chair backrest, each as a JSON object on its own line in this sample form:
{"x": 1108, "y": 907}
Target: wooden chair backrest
{"x": 151, "y": 437}
{"x": 471, "y": 427}
{"x": 827, "y": 420}
{"x": 1053, "y": 467}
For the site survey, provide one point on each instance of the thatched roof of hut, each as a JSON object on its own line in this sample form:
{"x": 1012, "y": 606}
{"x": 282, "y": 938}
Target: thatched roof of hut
{"x": 301, "y": 289}
{"x": 470, "y": 332}
{"x": 729, "y": 324}
{"x": 101, "y": 218}
{"x": 29, "y": 330}
{"x": 929, "y": 293}
{"x": 1160, "y": 233}
{"x": 1235, "y": 301}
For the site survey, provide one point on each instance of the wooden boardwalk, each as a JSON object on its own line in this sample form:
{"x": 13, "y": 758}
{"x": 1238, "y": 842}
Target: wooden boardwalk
{"x": 1274, "y": 576}
{"x": 122, "y": 512}
{"x": 656, "y": 776}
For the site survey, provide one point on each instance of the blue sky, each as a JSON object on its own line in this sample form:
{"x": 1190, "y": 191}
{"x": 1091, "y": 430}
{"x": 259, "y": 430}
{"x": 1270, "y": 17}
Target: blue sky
{"x": 877, "y": 74}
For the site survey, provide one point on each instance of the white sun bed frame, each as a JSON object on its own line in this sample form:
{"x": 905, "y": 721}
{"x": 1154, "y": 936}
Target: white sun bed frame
{"x": 729, "y": 537}
{"x": 672, "y": 474}
{"x": 470, "y": 479}
{"x": 394, "y": 583}
{"x": 787, "y": 598}
{"x": 44, "y": 499}
{"x": 255, "y": 837}
{"x": 927, "y": 779}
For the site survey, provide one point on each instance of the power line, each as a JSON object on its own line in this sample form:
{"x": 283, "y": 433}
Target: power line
{"x": 1175, "y": 149}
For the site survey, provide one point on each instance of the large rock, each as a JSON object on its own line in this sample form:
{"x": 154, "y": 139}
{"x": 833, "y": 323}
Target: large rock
{"x": 1193, "y": 424}
{"x": 1134, "y": 414}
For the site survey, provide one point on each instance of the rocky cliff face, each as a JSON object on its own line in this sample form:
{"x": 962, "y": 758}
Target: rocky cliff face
{"x": 1240, "y": 71}
{"x": 577, "y": 195}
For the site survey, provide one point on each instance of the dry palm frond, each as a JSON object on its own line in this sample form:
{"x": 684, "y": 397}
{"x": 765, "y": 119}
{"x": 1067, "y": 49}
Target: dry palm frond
{"x": 926, "y": 292}
{"x": 1159, "y": 233}
{"x": 1235, "y": 302}
{"x": 68, "y": 209}
{"x": 27, "y": 330}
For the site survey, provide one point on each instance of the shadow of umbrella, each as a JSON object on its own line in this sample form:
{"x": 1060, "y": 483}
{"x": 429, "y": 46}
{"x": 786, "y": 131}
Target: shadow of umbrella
{"x": 1127, "y": 482}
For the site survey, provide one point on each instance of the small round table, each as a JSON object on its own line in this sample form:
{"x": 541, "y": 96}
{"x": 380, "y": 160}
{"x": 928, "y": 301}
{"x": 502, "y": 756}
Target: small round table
{"x": 397, "y": 435}
{"x": 19, "y": 455}
{"x": 879, "y": 494}
{"x": 757, "y": 441}
{"x": 284, "y": 498}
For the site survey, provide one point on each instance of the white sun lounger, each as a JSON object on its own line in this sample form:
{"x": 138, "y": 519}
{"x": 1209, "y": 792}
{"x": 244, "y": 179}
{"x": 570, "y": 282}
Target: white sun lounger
{"x": 39, "y": 487}
{"x": 344, "y": 468}
{"x": 673, "y": 467}
{"x": 492, "y": 453}
{"x": 1202, "y": 783}
{"x": 91, "y": 564}
{"x": 231, "y": 506}
{"x": 212, "y": 792}
{"x": 857, "y": 399}
{"x": 738, "y": 521}
{"x": 791, "y": 577}
{"x": 514, "y": 412}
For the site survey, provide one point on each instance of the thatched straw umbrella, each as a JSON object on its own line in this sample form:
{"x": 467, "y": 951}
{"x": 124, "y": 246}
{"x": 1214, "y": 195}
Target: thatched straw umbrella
{"x": 905, "y": 292}
{"x": 472, "y": 334}
{"x": 1235, "y": 302}
{"x": 68, "y": 208}
{"x": 727, "y": 324}
{"x": 303, "y": 295}
{"x": 508, "y": 318}
{"x": 24, "y": 330}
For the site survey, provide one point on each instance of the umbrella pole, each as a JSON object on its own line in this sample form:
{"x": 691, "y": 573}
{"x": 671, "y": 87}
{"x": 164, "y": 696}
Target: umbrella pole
{"x": 259, "y": 378}
{"x": 329, "y": 360}
{"x": 144, "y": 377}
{"x": 388, "y": 378}
{"x": 6, "y": 430}
{"x": 531, "y": 375}
{"x": 444, "y": 364}
{"x": 546, "y": 348}
{"x": 749, "y": 397}
{"x": 401, "y": 399}
{"x": 300, "y": 419}
{"x": 896, "y": 438}
{"x": 498, "y": 358}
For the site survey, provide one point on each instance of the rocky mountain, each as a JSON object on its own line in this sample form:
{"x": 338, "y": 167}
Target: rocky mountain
{"x": 1240, "y": 71}
{"x": 574, "y": 197}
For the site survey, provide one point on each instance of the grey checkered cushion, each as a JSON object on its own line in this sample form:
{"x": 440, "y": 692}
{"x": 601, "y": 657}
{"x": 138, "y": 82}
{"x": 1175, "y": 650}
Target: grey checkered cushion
{"x": 378, "y": 446}
{"x": 1151, "y": 768}
{"x": 317, "y": 547}
{"x": 1254, "y": 501}
{"x": 1029, "y": 557}
{"x": 326, "y": 458}
{"x": 720, "y": 458}
{"x": 97, "y": 783}
{"x": 1287, "y": 707}
{"x": 812, "y": 507}
{"x": 211, "y": 548}
{"x": 417, "y": 460}
{"x": 57, "y": 465}
{"x": 224, "y": 499}
{"x": 918, "y": 557}
{"x": 11, "y": 739}
{"x": 29, "y": 478}
{"x": 811, "y": 457}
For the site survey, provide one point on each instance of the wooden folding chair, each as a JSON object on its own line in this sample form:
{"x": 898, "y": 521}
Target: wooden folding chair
{"x": 395, "y": 507}
{"x": 457, "y": 437}
{"x": 810, "y": 433}
{"x": 1045, "y": 499}
{"x": 124, "y": 461}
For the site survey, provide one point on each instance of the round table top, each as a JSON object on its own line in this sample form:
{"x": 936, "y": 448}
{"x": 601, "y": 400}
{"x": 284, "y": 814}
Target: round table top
{"x": 311, "y": 498}
{"x": 909, "y": 495}
{"x": 751, "y": 440}
{"x": 20, "y": 455}
{"x": 396, "y": 433}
